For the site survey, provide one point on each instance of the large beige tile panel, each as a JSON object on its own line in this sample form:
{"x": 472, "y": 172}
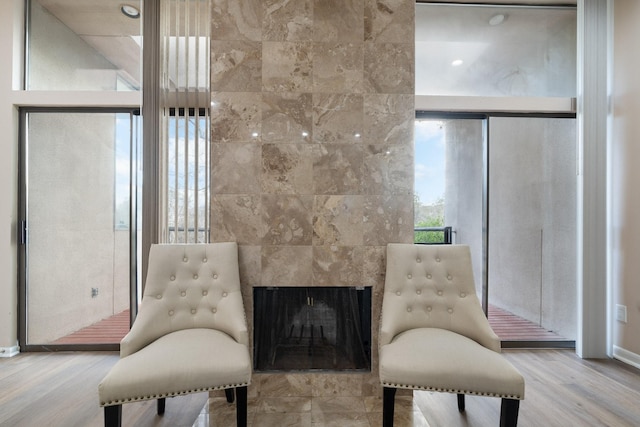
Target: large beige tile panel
{"x": 287, "y": 20}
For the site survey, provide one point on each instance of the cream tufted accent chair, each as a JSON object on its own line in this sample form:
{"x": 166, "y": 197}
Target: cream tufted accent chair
{"x": 434, "y": 334}
{"x": 190, "y": 334}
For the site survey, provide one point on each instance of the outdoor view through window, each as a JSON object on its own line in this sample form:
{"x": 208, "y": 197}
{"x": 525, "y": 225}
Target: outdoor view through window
{"x": 429, "y": 181}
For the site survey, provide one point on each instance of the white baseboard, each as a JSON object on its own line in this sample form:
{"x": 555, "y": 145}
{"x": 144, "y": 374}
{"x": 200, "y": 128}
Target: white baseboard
{"x": 626, "y": 356}
{"x": 9, "y": 351}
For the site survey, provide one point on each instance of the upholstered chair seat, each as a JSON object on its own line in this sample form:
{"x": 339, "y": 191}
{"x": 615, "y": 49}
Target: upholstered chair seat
{"x": 434, "y": 335}
{"x": 190, "y": 334}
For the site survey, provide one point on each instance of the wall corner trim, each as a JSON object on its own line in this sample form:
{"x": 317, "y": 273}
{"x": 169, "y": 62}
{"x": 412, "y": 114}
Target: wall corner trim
{"x": 626, "y": 356}
{"x": 13, "y": 351}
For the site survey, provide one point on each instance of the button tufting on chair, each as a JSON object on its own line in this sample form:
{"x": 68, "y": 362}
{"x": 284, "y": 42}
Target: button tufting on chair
{"x": 449, "y": 347}
{"x": 187, "y": 348}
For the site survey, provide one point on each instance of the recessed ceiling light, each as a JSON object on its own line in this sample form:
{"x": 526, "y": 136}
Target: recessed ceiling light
{"x": 457, "y": 62}
{"x": 130, "y": 11}
{"x": 497, "y": 19}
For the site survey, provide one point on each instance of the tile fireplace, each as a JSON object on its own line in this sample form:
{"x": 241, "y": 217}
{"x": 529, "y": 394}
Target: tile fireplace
{"x": 312, "y": 149}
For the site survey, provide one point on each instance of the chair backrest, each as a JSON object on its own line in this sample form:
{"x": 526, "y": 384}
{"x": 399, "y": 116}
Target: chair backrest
{"x": 432, "y": 286}
{"x": 189, "y": 286}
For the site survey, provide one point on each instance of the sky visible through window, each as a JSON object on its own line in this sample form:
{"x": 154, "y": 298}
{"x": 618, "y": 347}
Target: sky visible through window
{"x": 429, "y": 161}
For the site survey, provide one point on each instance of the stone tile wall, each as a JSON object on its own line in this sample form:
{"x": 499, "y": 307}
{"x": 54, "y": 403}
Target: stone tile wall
{"x": 312, "y": 140}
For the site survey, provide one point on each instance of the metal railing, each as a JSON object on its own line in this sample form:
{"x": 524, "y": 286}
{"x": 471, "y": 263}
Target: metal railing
{"x": 447, "y": 235}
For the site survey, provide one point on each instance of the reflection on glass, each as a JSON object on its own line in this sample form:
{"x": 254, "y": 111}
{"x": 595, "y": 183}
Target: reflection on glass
{"x": 532, "y": 221}
{"x": 73, "y": 46}
{"x": 77, "y": 251}
{"x": 495, "y": 51}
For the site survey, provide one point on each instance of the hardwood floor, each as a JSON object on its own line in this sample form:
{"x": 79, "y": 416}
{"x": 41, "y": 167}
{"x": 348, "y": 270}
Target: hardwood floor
{"x": 60, "y": 389}
{"x": 560, "y": 390}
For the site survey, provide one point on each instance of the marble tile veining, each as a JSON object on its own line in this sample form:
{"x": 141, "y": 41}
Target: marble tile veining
{"x": 379, "y": 77}
{"x": 338, "y": 68}
{"x": 287, "y": 117}
{"x": 352, "y": 411}
{"x": 312, "y": 168}
{"x": 236, "y": 66}
{"x": 286, "y": 20}
{"x": 236, "y": 19}
{"x": 287, "y": 66}
{"x": 389, "y": 21}
{"x": 285, "y": 169}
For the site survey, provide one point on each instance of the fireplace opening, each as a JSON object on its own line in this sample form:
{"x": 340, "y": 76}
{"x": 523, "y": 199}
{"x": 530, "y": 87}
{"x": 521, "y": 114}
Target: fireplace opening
{"x": 312, "y": 328}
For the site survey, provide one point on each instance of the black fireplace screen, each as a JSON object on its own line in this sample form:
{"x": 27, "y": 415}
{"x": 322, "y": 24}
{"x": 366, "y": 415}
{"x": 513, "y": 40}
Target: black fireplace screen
{"x": 312, "y": 328}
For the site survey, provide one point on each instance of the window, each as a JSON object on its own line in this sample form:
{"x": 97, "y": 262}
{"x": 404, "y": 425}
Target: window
{"x": 73, "y": 46}
{"x": 477, "y": 50}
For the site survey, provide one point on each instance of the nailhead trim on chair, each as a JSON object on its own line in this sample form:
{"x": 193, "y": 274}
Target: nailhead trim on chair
{"x": 450, "y": 390}
{"x": 177, "y": 393}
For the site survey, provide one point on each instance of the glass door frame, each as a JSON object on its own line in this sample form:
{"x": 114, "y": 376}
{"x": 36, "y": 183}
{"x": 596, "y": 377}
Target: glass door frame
{"x": 22, "y": 225}
{"x": 486, "y": 193}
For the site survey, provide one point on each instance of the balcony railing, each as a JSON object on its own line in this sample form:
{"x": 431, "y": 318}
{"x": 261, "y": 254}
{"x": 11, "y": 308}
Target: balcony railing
{"x": 433, "y": 235}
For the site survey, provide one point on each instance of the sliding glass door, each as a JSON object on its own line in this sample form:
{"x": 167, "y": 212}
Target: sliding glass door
{"x": 532, "y": 228}
{"x": 506, "y": 186}
{"x": 78, "y": 226}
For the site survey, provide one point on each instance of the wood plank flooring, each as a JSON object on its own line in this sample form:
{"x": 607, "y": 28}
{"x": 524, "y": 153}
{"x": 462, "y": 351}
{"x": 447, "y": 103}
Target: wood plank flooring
{"x": 107, "y": 331}
{"x": 510, "y": 327}
{"x": 60, "y": 389}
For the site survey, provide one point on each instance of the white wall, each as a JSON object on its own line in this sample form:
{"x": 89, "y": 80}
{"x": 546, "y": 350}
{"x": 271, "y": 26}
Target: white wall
{"x": 10, "y": 37}
{"x": 625, "y": 179}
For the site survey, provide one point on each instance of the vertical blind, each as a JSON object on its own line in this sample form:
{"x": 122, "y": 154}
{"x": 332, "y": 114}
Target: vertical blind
{"x": 185, "y": 133}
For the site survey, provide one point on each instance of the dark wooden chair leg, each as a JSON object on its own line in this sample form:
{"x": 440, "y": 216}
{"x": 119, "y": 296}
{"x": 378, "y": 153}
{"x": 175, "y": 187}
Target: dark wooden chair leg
{"x": 388, "y": 403}
{"x": 509, "y": 412}
{"x": 460, "y": 402}
{"x": 228, "y": 392}
{"x": 161, "y": 403}
{"x": 241, "y": 406}
{"x": 113, "y": 416}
